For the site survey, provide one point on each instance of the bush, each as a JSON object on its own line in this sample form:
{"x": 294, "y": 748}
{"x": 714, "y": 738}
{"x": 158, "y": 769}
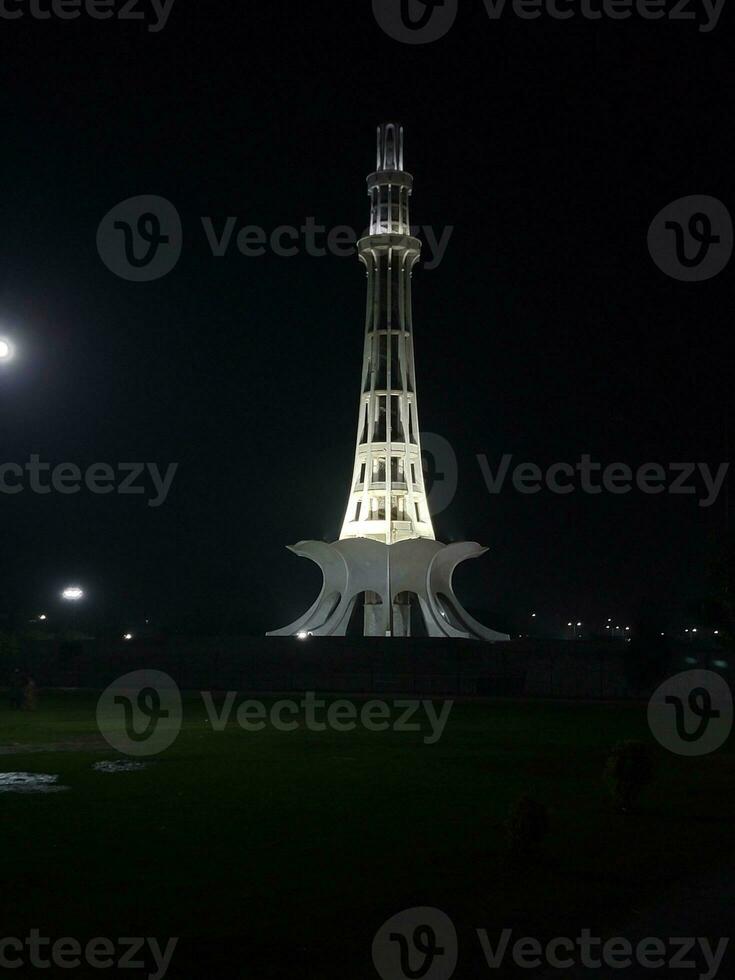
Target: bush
{"x": 628, "y": 770}
{"x": 527, "y": 827}
{"x": 30, "y": 695}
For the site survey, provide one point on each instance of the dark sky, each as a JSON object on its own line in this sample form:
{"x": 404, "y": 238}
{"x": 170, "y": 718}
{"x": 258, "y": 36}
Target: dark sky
{"x": 547, "y": 331}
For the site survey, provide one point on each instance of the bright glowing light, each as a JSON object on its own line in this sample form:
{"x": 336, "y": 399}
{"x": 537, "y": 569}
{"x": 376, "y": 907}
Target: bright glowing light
{"x": 579, "y": 624}
{"x": 302, "y": 635}
{"x": 533, "y": 615}
{"x": 72, "y": 593}
{"x": 6, "y": 349}
{"x": 569, "y": 624}
{"x": 717, "y": 632}
{"x": 42, "y": 617}
{"x": 127, "y": 636}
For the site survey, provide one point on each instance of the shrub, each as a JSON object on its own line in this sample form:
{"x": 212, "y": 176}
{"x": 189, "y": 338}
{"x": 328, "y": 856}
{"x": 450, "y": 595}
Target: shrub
{"x": 628, "y": 770}
{"x": 527, "y": 827}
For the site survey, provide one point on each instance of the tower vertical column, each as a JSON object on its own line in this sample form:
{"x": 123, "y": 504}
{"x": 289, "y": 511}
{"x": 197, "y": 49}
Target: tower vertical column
{"x": 387, "y": 500}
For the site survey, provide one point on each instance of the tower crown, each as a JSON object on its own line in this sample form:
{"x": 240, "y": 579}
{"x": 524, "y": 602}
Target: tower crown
{"x": 389, "y": 187}
{"x": 390, "y": 147}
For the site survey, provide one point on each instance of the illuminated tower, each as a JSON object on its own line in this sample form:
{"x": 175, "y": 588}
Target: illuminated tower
{"x": 387, "y": 557}
{"x": 387, "y": 500}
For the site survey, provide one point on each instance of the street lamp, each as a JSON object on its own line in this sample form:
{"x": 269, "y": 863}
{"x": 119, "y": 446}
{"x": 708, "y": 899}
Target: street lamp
{"x": 6, "y": 349}
{"x": 72, "y": 593}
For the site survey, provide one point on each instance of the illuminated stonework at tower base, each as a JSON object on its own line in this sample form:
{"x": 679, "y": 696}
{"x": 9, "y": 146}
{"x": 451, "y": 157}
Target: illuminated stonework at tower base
{"x": 387, "y": 558}
{"x": 389, "y": 575}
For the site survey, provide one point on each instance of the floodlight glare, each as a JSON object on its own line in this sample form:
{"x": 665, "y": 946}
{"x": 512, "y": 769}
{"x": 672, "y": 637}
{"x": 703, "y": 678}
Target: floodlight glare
{"x": 73, "y": 593}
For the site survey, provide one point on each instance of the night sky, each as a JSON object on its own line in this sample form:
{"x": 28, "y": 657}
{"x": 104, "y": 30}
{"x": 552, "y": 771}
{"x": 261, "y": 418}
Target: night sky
{"x": 547, "y": 331}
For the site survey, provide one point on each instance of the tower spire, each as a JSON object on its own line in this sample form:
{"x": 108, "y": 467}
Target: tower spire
{"x": 387, "y": 500}
{"x": 390, "y": 146}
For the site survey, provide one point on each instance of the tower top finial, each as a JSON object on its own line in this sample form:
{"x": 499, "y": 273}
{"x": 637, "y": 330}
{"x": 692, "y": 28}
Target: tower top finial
{"x": 390, "y": 146}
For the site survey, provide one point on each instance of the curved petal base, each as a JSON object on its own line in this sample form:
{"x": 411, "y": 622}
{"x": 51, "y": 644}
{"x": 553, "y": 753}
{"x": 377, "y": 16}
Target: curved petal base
{"x": 388, "y": 575}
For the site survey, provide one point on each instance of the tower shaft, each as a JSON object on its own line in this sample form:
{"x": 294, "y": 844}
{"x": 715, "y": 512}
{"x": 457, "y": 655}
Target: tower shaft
{"x": 387, "y": 500}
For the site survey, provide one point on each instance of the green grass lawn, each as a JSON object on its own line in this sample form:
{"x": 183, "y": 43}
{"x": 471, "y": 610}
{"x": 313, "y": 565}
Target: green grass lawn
{"x": 286, "y": 851}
